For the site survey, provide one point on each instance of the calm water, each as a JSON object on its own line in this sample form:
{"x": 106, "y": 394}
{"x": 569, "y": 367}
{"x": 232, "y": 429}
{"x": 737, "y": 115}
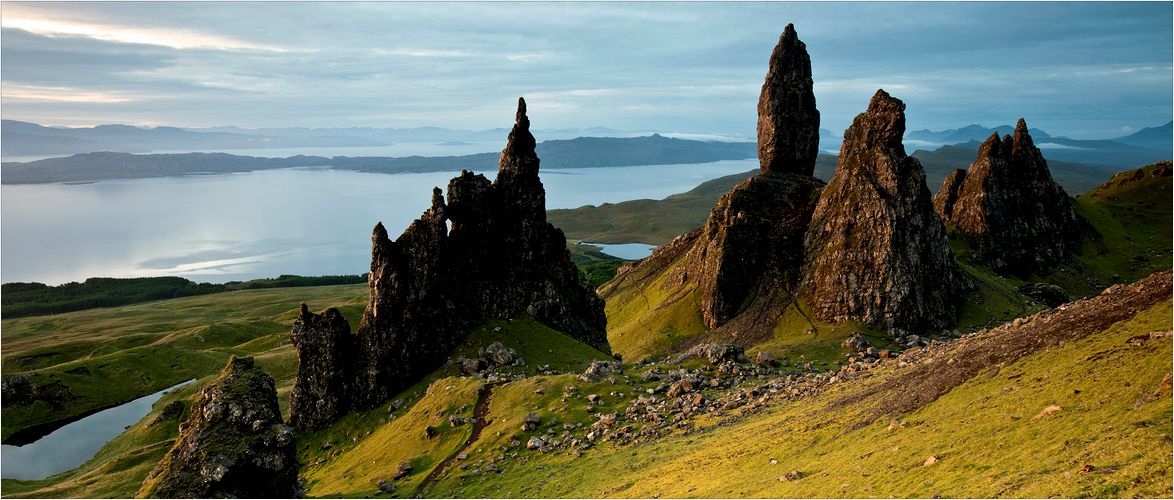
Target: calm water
{"x": 217, "y": 228}
{"x": 75, "y": 443}
{"x": 633, "y": 251}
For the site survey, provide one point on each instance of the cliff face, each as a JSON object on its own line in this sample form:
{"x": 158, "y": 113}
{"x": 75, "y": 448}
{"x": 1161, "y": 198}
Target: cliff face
{"x": 233, "y": 445}
{"x": 875, "y": 250}
{"x": 428, "y": 287}
{"x": 1014, "y": 215}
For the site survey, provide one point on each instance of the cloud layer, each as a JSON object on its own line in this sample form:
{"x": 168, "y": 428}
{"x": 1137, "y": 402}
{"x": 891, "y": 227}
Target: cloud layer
{"x": 1086, "y": 70}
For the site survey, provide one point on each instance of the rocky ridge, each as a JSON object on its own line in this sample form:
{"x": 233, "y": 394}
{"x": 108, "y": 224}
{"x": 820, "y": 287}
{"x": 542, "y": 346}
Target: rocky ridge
{"x": 234, "y": 444}
{"x": 500, "y": 259}
{"x": 1014, "y": 215}
{"x": 875, "y": 250}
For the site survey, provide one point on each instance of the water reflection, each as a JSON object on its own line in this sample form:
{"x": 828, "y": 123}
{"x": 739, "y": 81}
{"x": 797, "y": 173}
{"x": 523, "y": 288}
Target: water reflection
{"x": 263, "y": 224}
{"x": 75, "y": 443}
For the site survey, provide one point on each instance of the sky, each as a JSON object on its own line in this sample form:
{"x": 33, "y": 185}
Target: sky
{"x": 1086, "y": 70}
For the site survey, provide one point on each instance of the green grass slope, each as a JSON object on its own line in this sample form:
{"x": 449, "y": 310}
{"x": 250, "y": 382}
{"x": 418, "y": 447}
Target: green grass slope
{"x": 109, "y": 356}
{"x": 984, "y": 438}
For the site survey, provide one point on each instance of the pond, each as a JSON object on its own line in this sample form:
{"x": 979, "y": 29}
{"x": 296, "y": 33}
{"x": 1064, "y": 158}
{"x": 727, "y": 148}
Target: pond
{"x": 73, "y": 444}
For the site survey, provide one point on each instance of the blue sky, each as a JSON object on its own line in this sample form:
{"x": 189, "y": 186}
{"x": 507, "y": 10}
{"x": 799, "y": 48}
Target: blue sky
{"x": 1084, "y": 69}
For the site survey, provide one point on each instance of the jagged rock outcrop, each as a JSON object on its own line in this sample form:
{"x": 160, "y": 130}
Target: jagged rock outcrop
{"x": 500, "y": 259}
{"x": 325, "y": 370}
{"x": 788, "y": 123}
{"x": 1016, "y": 218}
{"x": 875, "y": 250}
{"x": 233, "y": 445}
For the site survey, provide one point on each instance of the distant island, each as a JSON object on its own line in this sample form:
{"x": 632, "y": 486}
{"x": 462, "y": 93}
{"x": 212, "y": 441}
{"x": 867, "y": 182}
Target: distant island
{"x": 583, "y": 152}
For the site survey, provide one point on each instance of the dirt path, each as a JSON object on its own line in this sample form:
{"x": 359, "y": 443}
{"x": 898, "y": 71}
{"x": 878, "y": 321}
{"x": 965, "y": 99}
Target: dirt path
{"x": 480, "y": 410}
{"x": 924, "y": 383}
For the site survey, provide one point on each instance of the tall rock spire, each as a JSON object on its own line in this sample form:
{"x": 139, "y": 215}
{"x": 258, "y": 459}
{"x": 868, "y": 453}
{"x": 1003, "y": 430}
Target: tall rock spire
{"x": 875, "y": 250}
{"x": 788, "y": 123}
{"x": 1014, "y": 215}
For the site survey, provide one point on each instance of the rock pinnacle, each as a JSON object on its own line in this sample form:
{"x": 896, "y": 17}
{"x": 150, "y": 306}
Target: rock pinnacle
{"x": 788, "y": 123}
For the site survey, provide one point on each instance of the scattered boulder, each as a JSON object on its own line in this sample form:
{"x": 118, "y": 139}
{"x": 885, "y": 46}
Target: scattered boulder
{"x": 679, "y": 389}
{"x": 386, "y": 487}
{"x": 535, "y": 443}
{"x": 715, "y": 353}
{"x": 234, "y": 444}
{"x": 430, "y": 432}
{"x": 857, "y": 342}
{"x": 875, "y": 251}
{"x": 1047, "y": 294}
{"x": 402, "y": 471}
{"x": 530, "y": 422}
{"x": 766, "y": 359}
{"x": 499, "y": 354}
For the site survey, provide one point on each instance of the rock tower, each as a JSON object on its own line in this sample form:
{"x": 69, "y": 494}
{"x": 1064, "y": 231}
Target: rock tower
{"x": 875, "y": 250}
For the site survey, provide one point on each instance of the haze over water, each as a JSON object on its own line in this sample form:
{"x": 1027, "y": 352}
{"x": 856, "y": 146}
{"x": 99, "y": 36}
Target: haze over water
{"x": 217, "y": 228}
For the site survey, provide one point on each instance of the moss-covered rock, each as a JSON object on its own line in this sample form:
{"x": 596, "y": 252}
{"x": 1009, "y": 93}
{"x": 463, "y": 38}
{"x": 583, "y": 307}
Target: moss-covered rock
{"x": 233, "y": 445}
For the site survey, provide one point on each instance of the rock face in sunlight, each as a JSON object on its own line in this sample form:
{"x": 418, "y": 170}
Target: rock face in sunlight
{"x": 1016, "y": 218}
{"x": 876, "y": 252}
{"x": 500, "y": 259}
{"x": 744, "y": 259}
{"x": 233, "y": 445}
{"x": 788, "y": 123}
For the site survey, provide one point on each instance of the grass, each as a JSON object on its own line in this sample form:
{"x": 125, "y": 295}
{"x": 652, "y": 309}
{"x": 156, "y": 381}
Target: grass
{"x": 983, "y": 436}
{"x": 109, "y": 356}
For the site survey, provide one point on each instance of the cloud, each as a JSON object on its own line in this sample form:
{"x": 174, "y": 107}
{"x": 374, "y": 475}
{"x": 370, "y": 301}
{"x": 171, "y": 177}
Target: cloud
{"x": 680, "y": 67}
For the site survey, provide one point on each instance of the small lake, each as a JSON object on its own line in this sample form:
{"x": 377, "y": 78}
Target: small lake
{"x": 262, "y": 224}
{"x": 73, "y": 444}
{"x": 630, "y": 251}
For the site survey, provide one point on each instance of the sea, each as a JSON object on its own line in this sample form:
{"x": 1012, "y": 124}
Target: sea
{"x": 311, "y": 221}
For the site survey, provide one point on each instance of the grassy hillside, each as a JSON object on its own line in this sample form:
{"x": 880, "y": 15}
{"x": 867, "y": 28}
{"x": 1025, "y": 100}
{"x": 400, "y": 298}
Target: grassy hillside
{"x": 109, "y": 356}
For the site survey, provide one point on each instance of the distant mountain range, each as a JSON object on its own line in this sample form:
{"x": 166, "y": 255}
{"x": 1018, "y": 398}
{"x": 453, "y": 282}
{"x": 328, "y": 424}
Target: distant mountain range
{"x": 1146, "y": 146}
{"x": 583, "y": 152}
{"x": 30, "y": 139}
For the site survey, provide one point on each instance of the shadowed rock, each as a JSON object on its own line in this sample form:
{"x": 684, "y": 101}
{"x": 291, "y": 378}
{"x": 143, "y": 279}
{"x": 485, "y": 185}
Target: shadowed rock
{"x": 875, "y": 250}
{"x": 788, "y": 123}
{"x": 233, "y": 445}
{"x": 325, "y": 374}
{"x": 501, "y": 259}
{"x": 1014, "y": 215}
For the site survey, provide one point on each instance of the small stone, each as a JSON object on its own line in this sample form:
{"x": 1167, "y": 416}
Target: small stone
{"x": 931, "y": 460}
{"x": 1048, "y": 411}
